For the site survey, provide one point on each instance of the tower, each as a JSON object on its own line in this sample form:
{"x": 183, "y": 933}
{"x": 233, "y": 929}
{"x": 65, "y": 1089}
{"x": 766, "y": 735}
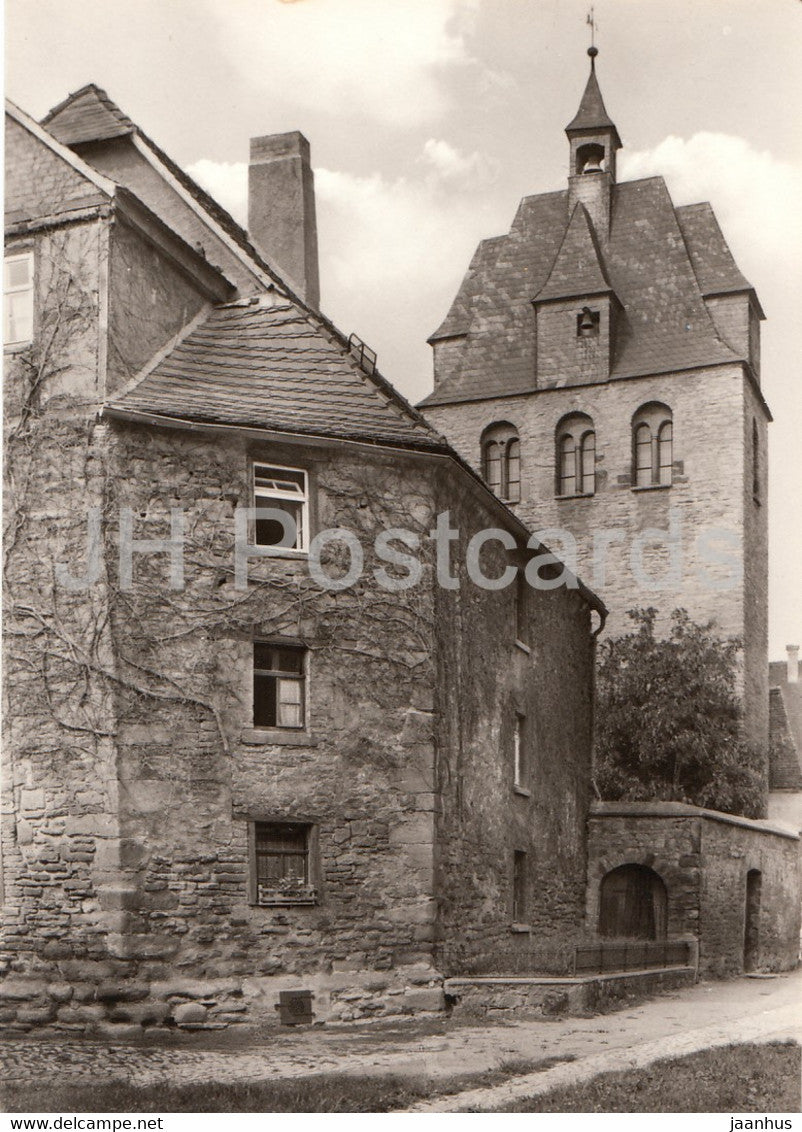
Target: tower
{"x": 600, "y": 365}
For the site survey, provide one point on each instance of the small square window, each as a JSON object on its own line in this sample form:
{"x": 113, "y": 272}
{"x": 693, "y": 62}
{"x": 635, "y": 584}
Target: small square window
{"x": 284, "y": 490}
{"x": 279, "y": 685}
{"x": 18, "y": 299}
{"x": 281, "y": 866}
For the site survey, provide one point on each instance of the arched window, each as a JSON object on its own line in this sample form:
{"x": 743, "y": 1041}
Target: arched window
{"x": 755, "y": 461}
{"x": 633, "y": 903}
{"x": 575, "y": 456}
{"x": 501, "y": 461}
{"x": 652, "y": 446}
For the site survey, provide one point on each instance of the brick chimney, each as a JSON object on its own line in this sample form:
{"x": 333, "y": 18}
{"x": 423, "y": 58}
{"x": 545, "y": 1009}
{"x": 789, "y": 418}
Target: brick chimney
{"x": 793, "y": 663}
{"x": 281, "y": 210}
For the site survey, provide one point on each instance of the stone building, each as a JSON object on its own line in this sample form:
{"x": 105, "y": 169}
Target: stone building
{"x": 600, "y": 365}
{"x": 349, "y": 769}
{"x": 785, "y": 735}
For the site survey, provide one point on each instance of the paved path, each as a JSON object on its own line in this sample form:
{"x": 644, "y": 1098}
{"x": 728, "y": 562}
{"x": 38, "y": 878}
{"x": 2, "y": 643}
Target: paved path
{"x": 694, "y": 1018}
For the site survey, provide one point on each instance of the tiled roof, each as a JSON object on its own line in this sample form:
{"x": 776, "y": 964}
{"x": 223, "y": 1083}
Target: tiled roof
{"x": 278, "y": 368}
{"x": 592, "y": 114}
{"x": 578, "y": 268}
{"x": 664, "y": 326}
{"x": 87, "y": 115}
{"x": 716, "y": 270}
{"x": 90, "y": 115}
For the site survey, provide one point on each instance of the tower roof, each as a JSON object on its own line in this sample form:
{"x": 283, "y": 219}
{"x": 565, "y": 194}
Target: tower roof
{"x": 592, "y": 113}
{"x": 578, "y": 268}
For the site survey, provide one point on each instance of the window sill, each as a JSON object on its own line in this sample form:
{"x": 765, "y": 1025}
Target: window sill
{"x": 520, "y": 929}
{"x": 524, "y": 648}
{"x": 576, "y": 495}
{"x": 524, "y": 793}
{"x": 16, "y": 347}
{"x": 278, "y": 552}
{"x": 276, "y": 737}
{"x": 286, "y": 900}
{"x": 653, "y": 487}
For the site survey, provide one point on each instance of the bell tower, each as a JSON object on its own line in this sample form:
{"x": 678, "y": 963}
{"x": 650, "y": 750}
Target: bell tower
{"x": 594, "y": 142}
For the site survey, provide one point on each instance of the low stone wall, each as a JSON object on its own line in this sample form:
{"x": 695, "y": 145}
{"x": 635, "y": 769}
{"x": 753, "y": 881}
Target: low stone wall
{"x": 112, "y": 1006}
{"x": 548, "y": 998}
{"x": 704, "y": 858}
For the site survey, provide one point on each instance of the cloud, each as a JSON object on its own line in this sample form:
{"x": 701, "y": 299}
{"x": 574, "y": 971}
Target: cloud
{"x": 474, "y": 170}
{"x": 755, "y": 197}
{"x": 385, "y": 60}
{"x": 392, "y": 250}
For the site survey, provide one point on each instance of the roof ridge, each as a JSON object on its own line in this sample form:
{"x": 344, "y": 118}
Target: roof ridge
{"x": 382, "y": 384}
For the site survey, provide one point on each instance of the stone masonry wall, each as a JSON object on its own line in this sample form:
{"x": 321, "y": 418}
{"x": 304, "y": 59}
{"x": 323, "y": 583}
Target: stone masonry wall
{"x": 703, "y": 859}
{"x": 662, "y": 527}
{"x": 490, "y": 678}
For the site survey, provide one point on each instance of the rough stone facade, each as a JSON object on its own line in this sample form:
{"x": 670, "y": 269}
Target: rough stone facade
{"x": 134, "y": 772}
{"x": 704, "y": 859}
{"x": 676, "y": 325}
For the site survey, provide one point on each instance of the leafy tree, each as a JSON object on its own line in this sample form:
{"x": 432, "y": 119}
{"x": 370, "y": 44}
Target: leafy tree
{"x": 668, "y": 723}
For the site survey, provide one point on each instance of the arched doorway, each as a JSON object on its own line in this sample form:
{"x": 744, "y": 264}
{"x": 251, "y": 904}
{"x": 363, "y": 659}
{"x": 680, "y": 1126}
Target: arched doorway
{"x": 754, "y": 879}
{"x": 633, "y": 903}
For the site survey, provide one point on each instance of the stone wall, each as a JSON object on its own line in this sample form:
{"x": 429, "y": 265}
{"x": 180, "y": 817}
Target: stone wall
{"x": 675, "y": 533}
{"x": 490, "y": 678}
{"x": 703, "y": 858}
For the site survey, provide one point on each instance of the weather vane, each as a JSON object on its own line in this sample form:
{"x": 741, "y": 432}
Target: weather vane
{"x": 591, "y": 20}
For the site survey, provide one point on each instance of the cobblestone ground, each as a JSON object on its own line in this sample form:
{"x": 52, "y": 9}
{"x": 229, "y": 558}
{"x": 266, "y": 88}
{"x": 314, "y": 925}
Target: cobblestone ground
{"x": 695, "y": 1018}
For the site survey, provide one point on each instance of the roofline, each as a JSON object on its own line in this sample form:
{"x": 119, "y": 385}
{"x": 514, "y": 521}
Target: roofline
{"x": 618, "y": 377}
{"x": 204, "y": 275}
{"x": 749, "y": 291}
{"x": 105, "y": 184}
{"x": 318, "y": 439}
{"x": 261, "y": 273}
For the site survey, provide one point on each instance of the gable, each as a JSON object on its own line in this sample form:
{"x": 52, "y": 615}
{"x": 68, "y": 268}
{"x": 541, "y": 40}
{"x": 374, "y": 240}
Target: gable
{"x": 39, "y": 181}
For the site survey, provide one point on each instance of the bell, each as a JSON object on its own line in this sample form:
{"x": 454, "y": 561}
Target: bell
{"x": 587, "y": 324}
{"x": 592, "y": 165}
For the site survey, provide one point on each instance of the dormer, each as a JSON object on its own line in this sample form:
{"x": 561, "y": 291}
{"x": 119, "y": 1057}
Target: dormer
{"x": 576, "y": 311}
{"x": 594, "y": 142}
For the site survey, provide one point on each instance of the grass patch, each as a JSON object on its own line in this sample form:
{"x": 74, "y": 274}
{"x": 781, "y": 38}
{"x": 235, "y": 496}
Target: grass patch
{"x": 326, "y": 1093}
{"x": 736, "y": 1078}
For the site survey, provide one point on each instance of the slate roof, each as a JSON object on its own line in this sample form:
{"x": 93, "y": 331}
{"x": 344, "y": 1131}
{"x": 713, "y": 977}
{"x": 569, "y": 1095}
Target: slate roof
{"x": 275, "y": 367}
{"x": 792, "y": 700}
{"x": 659, "y": 260}
{"x": 89, "y": 115}
{"x": 578, "y": 268}
{"x": 592, "y": 114}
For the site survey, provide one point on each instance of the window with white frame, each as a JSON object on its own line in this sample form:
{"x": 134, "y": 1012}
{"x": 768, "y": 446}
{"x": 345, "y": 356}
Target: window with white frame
{"x": 18, "y": 299}
{"x": 653, "y": 446}
{"x": 279, "y": 685}
{"x": 281, "y": 863}
{"x": 285, "y": 490}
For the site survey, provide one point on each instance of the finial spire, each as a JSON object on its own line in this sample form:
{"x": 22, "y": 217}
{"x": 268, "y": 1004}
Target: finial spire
{"x": 593, "y": 50}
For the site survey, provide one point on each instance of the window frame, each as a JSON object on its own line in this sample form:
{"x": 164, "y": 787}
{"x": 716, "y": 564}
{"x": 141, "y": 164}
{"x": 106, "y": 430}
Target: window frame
{"x": 575, "y": 457}
{"x": 285, "y": 675}
{"x": 503, "y": 439}
{"x": 520, "y": 886}
{"x": 9, "y": 257}
{"x": 519, "y": 759}
{"x": 275, "y": 496}
{"x": 652, "y": 437}
{"x": 301, "y": 894}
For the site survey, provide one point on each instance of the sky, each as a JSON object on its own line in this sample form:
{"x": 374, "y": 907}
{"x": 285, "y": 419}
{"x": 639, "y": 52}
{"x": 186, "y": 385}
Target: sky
{"x": 430, "y": 119}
